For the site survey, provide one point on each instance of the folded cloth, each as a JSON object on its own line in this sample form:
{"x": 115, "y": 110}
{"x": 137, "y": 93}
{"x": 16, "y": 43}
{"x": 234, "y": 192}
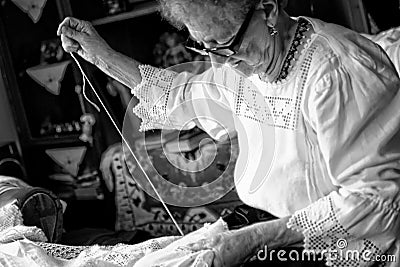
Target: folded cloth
{"x": 12, "y": 228}
{"x": 26, "y": 253}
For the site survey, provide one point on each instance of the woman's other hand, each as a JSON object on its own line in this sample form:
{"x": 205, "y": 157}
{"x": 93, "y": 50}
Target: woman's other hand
{"x": 230, "y": 248}
{"x": 233, "y": 248}
{"x": 80, "y": 37}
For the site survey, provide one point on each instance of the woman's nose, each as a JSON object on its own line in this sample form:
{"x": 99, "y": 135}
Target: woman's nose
{"x": 239, "y": 56}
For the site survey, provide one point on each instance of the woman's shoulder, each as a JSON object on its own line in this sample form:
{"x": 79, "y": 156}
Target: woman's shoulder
{"x": 321, "y": 50}
{"x": 343, "y": 42}
{"x": 323, "y": 27}
{"x": 336, "y": 39}
{"x": 336, "y": 46}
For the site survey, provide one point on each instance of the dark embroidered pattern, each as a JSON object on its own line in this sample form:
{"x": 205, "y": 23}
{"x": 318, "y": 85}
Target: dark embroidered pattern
{"x": 302, "y": 27}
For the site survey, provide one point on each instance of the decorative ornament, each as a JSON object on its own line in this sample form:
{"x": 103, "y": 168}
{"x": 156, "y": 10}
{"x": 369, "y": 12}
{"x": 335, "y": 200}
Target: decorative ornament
{"x": 88, "y": 121}
{"x": 272, "y": 30}
{"x": 68, "y": 158}
{"x": 33, "y": 8}
{"x": 49, "y": 76}
{"x": 200, "y": 215}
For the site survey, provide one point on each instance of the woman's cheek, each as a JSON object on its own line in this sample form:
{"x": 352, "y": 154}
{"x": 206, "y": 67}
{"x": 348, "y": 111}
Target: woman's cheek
{"x": 252, "y": 49}
{"x": 245, "y": 69}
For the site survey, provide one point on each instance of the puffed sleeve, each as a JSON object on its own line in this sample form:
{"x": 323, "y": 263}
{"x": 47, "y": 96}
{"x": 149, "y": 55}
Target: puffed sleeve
{"x": 393, "y": 52}
{"x": 354, "y": 110}
{"x": 181, "y": 100}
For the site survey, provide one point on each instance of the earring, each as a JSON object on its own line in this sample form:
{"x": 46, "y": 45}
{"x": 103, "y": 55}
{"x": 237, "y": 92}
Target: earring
{"x": 272, "y": 30}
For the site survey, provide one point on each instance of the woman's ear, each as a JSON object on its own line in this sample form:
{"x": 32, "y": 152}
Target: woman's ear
{"x": 271, "y": 11}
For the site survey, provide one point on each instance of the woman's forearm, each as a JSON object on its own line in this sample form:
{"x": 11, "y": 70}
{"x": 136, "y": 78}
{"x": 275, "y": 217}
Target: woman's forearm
{"x": 120, "y": 67}
{"x": 272, "y": 234}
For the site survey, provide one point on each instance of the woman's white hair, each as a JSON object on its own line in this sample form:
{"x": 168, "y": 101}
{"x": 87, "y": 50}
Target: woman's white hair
{"x": 178, "y": 12}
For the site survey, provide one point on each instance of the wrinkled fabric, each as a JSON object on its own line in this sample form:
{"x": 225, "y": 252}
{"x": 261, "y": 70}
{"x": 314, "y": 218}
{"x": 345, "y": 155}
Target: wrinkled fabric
{"x": 393, "y": 52}
{"x": 26, "y": 253}
{"x": 390, "y": 42}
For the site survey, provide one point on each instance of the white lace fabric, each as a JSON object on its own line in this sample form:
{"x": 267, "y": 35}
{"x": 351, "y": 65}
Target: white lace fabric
{"x": 153, "y": 96}
{"x": 159, "y": 252}
{"x": 324, "y": 234}
{"x": 118, "y": 255}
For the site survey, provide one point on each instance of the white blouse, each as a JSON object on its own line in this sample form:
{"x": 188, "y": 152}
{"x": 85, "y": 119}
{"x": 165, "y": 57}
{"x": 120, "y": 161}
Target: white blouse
{"x": 321, "y": 146}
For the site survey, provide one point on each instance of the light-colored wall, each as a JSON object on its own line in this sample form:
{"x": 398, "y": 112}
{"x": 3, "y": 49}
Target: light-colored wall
{"x": 7, "y": 126}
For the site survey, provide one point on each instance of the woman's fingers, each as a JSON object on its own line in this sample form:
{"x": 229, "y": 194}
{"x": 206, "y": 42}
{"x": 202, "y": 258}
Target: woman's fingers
{"x": 70, "y": 22}
{"x": 69, "y": 44}
{"x": 200, "y": 245}
{"x": 75, "y": 23}
{"x": 64, "y": 23}
{"x": 214, "y": 244}
{"x": 81, "y": 37}
{"x": 72, "y": 33}
{"x": 60, "y": 26}
{"x": 73, "y": 28}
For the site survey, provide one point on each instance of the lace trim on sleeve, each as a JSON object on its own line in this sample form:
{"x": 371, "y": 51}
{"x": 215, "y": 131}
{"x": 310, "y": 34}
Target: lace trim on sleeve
{"x": 324, "y": 234}
{"x": 153, "y": 93}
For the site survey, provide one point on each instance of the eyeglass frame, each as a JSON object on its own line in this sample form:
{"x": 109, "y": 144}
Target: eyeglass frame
{"x": 234, "y": 46}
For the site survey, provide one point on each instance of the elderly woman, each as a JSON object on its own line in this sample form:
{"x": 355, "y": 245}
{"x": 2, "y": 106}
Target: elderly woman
{"x": 329, "y": 97}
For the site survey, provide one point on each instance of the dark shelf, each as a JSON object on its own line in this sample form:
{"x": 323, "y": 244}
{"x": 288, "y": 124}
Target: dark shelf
{"x": 59, "y": 140}
{"x": 139, "y": 10}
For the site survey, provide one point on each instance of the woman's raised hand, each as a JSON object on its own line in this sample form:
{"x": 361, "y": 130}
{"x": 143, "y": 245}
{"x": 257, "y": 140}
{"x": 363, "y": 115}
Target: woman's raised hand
{"x": 80, "y": 37}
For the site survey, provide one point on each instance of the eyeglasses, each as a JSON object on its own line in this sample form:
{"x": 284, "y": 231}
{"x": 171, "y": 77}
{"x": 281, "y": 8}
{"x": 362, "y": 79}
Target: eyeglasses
{"x": 226, "y": 50}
